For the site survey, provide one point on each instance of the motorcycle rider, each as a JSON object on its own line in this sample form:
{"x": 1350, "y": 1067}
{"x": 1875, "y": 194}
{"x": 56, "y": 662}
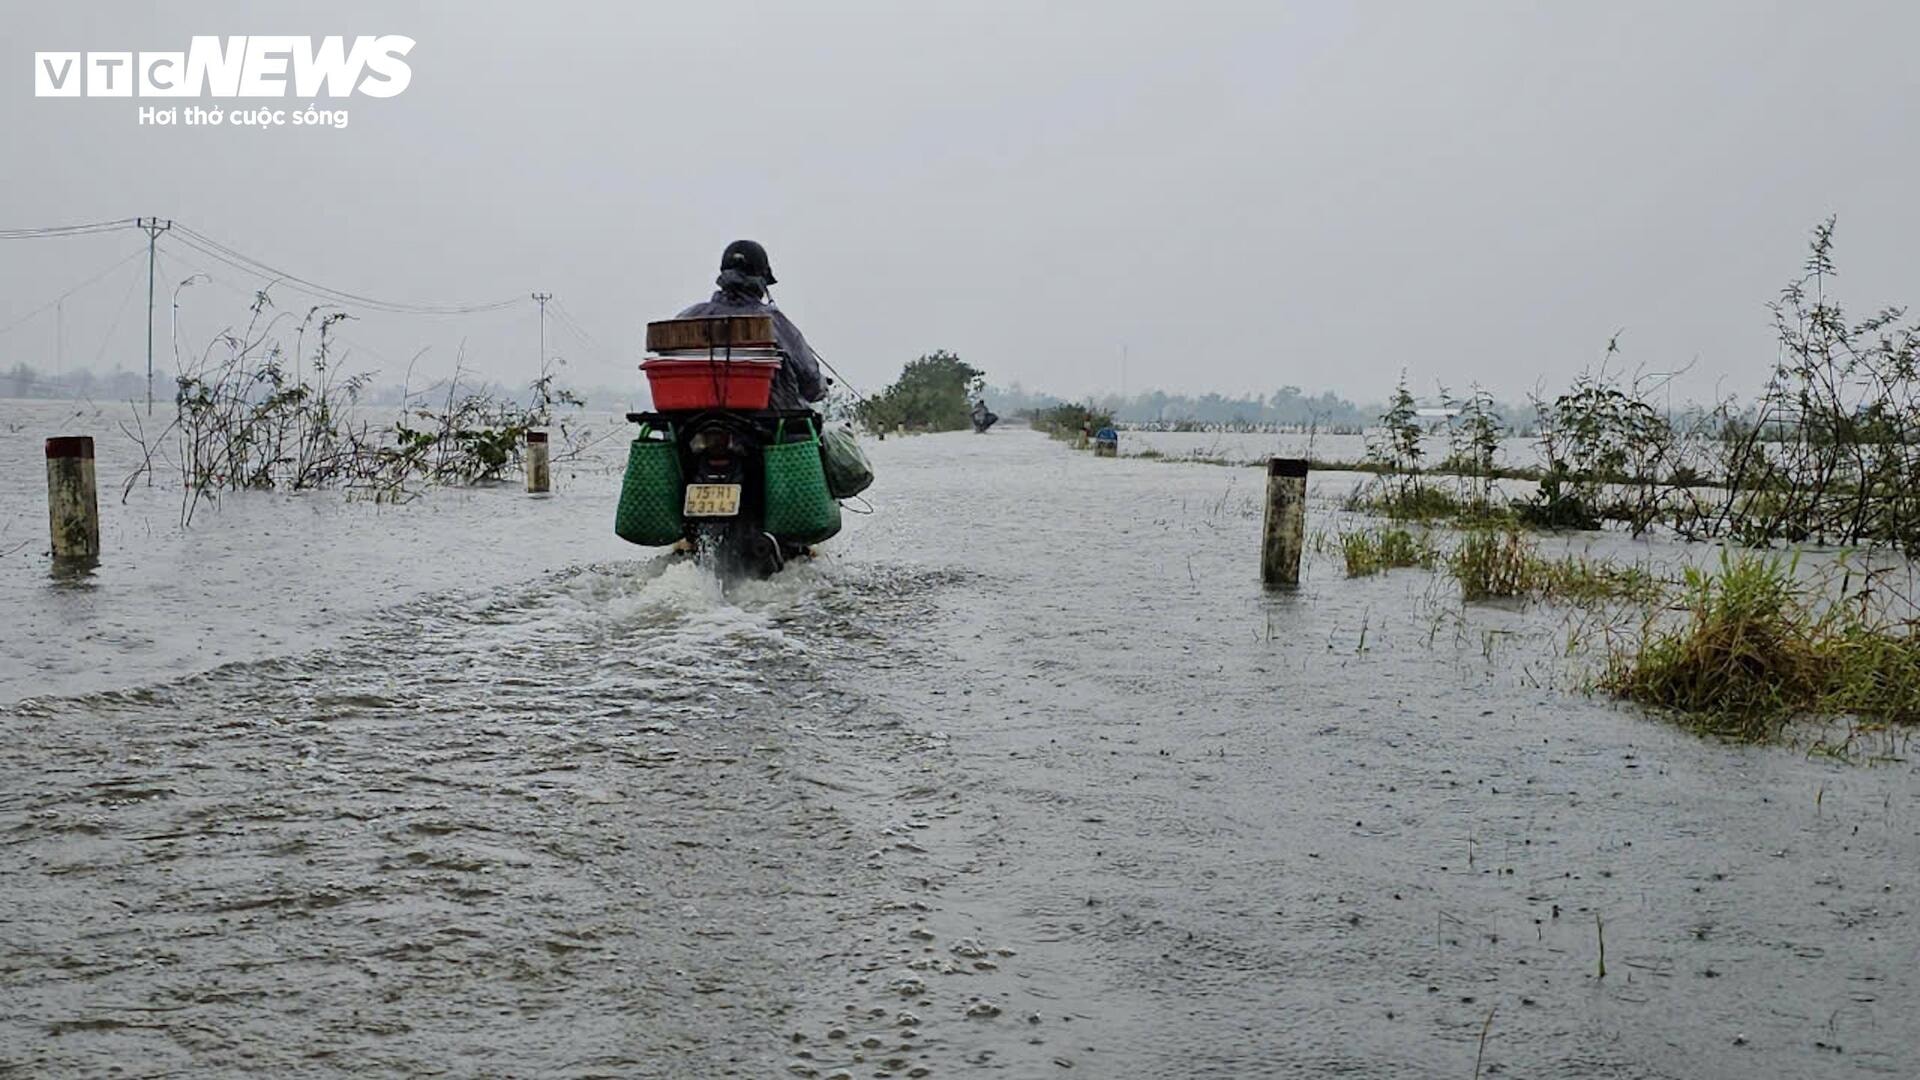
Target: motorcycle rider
{"x": 745, "y": 274}
{"x": 744, "y": 277}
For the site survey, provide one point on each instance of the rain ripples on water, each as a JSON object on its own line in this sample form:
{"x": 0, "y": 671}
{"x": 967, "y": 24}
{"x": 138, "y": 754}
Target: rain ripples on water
{"x": 1026, "y": 776}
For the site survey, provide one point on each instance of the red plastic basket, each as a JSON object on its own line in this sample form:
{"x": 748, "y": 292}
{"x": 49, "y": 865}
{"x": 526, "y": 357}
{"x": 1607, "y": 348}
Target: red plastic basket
{"x": 710, "y": 384}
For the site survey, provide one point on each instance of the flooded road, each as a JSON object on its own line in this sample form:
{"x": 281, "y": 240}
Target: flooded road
{"x": 1028, "y": 777}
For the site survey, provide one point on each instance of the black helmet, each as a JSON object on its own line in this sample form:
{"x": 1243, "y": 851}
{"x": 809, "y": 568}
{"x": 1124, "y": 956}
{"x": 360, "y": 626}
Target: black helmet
{"x": 749, "y": 258}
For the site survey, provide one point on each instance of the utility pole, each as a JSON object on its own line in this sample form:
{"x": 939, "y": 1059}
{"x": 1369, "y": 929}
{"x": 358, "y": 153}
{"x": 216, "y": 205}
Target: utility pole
{"x": 541, "y": 298}
{"x": 153, "y": 227}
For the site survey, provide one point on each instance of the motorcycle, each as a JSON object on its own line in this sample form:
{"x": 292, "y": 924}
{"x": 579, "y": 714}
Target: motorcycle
{"x": 723, "y": 486}
{"x": 716, "y": 472}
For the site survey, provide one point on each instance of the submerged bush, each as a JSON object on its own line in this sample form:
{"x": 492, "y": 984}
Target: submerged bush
{"x": 1492, "y": 564}
{"x": 934, "y": 393}
{"x": 1831, "y": 451}
{"x": 1473, "y": 447}
{"x": 1744, "y": 658}
{"x": 1828, "y": 453}
{"x": 1370, "y": 551}
{"x": 1603, "y": 442}
{"x": 1426, "y": 504}
{"x": 1579, "y": 580}
{"x": 1754, "y": 649}
{"x": 268, "y": 407}
{"x": 1068, "y": 421}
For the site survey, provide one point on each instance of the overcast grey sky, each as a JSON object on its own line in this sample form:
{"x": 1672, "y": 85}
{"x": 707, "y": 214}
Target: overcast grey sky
{"x": 1242, "y": 195}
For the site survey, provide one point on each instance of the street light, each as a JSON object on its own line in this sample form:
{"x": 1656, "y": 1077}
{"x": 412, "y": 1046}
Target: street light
{"x": 173, "y": 319}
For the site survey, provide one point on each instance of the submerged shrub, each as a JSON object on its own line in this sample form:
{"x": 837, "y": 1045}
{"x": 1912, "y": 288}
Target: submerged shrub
{"x": 1396, "y": 446}
{"x": 1494, "y": 564}
{"x": 1831, "y": 450}
{"x": 262, "y": 411}
{"x": 1580, "y": 580}
{"x": 1373, "y": 550}
{"x": 1743, "y": 659}
{"x": 934, "y": 393}
{"x": 1873, "y": 674}
{"x": 1069, "y": 420}
{"x": 1490, "y": 564}
{"x": 1425, "y": 503}
{"x": 1754, "y": 649}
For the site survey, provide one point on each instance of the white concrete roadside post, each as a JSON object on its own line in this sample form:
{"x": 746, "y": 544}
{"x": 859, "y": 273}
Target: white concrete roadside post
{"x": 73, "y": 507}
{"x": 1286, "y": 521}
{"x": 539, "y": 474}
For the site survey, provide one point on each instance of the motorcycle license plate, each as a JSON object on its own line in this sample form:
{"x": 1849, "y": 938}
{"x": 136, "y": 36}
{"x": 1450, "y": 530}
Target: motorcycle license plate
{"x": 712, "y": 500}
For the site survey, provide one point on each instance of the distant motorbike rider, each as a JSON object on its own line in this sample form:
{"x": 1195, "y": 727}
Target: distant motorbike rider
{"x": 744, "y": 277}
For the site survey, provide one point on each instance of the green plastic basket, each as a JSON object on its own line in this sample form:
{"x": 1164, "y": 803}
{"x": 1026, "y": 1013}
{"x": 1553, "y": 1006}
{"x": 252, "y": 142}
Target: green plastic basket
{"x": 798, "y": 505}
{"x": 650, "y": 496}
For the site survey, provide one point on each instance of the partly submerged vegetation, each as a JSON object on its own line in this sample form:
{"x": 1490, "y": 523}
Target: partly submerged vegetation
{"x": 1370, "y": 551}
{"x": 1738, "y": 649}
{"x": 1756, "y": 646}
{"x": 1429, "y": 504}
{"x": 934, "y": 393}
{"x": 1829, "y": 452}
{"x": 1497, "y": 563}
{"x": 270, "y": 406}
{"x": 1501, "y": 563}
{"x": 1491, "y": 565}
{"x": 1071, "y": 420}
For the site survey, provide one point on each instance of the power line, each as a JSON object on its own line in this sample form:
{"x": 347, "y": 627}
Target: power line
{"x": 572, "y": 326}
{"x": 111, "y": 267}
{"x": 206, "y": 246}
{"x": 836, "y": 374}
{"x": 239, "y": 260}
{"x": 106, "y": 339}
{"x": 214, "y": 249}
{"x": 567, "y": 320}
{"x": 83, "y": 229}
{"x": 586, "y": 347}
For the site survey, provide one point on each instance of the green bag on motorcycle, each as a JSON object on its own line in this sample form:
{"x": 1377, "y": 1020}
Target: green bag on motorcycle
{"x": 848, "y": 473}
{"x": 799, "y": 507}
{"x": 650, "y": 496}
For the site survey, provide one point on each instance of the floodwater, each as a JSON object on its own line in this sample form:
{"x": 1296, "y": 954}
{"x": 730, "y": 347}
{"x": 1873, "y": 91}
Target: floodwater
{"x": 1026, "y": 777}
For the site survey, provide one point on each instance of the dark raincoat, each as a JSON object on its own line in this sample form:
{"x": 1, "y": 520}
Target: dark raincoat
{"x": 799, "y": 379}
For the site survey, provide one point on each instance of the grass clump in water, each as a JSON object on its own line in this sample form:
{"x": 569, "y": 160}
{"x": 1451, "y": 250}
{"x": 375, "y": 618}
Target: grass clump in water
{"x": 1579, "y": 580}
{"x": 1755, "y": 649}
{"x": 1493, "y": 564}
{"x": 1369, "y": 551}
{"x": 1427, "y": 503}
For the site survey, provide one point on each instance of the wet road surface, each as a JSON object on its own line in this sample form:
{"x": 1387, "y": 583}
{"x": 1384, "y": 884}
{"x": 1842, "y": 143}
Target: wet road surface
{"x": 1028, "y": 778}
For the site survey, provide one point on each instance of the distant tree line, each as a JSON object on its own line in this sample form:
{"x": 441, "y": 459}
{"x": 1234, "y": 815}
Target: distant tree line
{"x": 1288, "y": 406}
{"x": 24, "y": 381}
